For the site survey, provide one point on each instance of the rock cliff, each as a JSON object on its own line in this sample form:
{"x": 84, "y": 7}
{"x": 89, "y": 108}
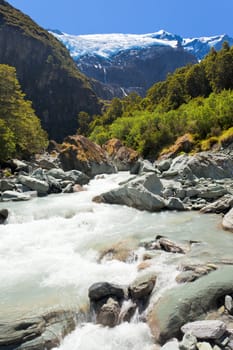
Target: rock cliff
{"x": 47, "y": 74}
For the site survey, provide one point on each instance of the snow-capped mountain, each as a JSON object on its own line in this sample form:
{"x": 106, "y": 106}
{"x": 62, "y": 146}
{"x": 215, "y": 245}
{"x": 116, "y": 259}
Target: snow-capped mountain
{"x": 121, "y": 63}
{"x": 107, "y": 45}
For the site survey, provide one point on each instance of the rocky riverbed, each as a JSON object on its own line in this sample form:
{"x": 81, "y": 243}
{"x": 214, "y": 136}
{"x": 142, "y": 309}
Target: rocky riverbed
{"x": 151, "y": 263}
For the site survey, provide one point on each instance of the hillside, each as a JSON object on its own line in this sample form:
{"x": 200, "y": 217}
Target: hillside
{"x": 194, "y": 99}
{"x": 46, "y": 72}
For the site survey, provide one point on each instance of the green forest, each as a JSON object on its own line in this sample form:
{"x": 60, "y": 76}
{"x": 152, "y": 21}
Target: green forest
{"x": 21, "y": 134}
{"x": 196, "y": 99}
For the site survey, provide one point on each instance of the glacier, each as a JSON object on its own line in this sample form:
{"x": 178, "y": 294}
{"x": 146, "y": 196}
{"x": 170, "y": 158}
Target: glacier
{"x": 108, "y": 45}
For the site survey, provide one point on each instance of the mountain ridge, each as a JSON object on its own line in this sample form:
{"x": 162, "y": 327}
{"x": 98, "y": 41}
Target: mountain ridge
{"x": 107, "y": 45}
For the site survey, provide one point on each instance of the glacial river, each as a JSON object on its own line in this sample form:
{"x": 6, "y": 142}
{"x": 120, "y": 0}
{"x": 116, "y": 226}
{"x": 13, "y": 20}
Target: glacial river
{"x": 49, "y": 256}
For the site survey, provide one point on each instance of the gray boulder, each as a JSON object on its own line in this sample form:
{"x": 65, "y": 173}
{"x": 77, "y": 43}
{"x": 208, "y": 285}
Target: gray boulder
{"x": 227, "y": 221}
{"x": 213, "y": 191}
{"x": 7, "y": 185}
{"x": 37, "y": 333}
{"x": 204, "y": 346}
{"x": 32, "y": 183}
{"x": 171, "y": 345}
{"x": 229, "y": 304}
{"x": 174, "y": 203}
{"x": 142, "y": 193}
{"x": 222, "y": 205}
{"x": 206, "y": 329}
{"x": 14, "y": 196}
{"x": 75, "y": 176}
{"x": 164, "y": 165}
{"x": 188, "y": 302}
{"x": 202, "y": 165}
{"x": 138, "y": 198}
{"x": 188, "y": 342}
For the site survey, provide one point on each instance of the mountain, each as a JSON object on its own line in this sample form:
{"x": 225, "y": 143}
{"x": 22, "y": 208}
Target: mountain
{"x": 47, "y": 74}
{"x": 122, "y": 63}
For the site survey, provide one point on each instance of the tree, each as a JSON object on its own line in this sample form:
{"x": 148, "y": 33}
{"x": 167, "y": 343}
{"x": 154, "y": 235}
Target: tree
{"x": 21, "y": 131}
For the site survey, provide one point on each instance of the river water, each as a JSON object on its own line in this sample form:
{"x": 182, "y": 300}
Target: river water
{"x": 49, "y": 256}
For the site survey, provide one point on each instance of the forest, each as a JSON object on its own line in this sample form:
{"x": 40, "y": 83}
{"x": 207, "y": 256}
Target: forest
{"x": 196, "y": 99}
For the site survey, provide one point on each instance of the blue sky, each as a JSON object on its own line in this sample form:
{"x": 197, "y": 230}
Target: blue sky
{"x": 188, "y": 18}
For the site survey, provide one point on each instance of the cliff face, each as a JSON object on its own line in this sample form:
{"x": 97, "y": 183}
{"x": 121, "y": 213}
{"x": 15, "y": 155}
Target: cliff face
{"x": 47, "y": 74}
{"x": 134, "y": 69}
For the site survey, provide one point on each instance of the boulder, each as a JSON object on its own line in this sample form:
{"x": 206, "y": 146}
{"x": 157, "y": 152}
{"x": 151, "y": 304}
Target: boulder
{"x": 7, "y": 185}
{"x": 138, "y": 198}
{"x": 206, "y": 329}
{"x": 124, "y": 158}
{"x": 211, "y": 192}
{"x": 202, "y": 165}
{"x": 163, "y": 243}
{"x": 229, "y": 304}
{"x": 47, "y": 163}
{"x": 75, "y": 176}
{"x": 188, "y": 302}
{"x": 204, "y": 346}
{"x": 188, "y": 342}
{"x": 108, "y": 314}
{"x": 142, "y": 287}
{"x": 164, "y": 165}
{"x": 142, "y": 193}
{"x": 14, "y": 196}
{"x": 183, "y": 144}
{"x": 102, "y": 290}
{"x": 174, "y": 203}
{"x": 220, "y": 206}
{"x": 32, "y": 183}
{"x": 3, "y": 215}
{"x": 171, "y": 345}
{"x": 37, "y": 333}
{"x": 122, "y": 251}
{"x": 81, "y": 154}
{"x": 227, "y": 221}
{"x": 17, "y": 165}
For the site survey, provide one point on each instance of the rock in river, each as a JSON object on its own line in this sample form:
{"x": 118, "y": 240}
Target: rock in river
{"x": 188, "y": 302}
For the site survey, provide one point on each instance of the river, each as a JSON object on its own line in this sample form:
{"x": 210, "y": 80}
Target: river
{"x": 49, "y": 256}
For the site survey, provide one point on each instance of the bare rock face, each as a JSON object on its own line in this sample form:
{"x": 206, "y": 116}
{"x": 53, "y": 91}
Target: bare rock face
{"x": 61, "y": 91}
{"x": 81, "y": 154}
{"x": 124, "y": 158}
{"x": 133, "y": 70}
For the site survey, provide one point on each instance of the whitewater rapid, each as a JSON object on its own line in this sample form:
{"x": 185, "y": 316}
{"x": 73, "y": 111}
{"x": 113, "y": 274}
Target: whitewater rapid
{"x": 50, "y": 248}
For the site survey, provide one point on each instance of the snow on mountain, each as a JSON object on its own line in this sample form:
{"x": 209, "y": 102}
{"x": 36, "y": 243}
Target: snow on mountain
{"x": 107, "y": 45}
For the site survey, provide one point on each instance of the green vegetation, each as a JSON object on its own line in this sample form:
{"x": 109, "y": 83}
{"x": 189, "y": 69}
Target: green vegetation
{"x": 20, "y": 131}
{"x": 194, "y": 99}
